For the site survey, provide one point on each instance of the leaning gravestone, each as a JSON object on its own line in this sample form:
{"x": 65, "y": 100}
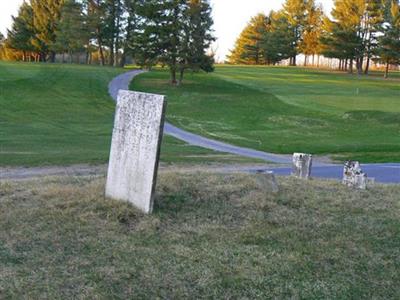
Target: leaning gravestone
{"x": 267, "y": 181}
{"x": 135, "y": 148}
{"x": 353, "y": 176}
{"x": 302, "y": 164}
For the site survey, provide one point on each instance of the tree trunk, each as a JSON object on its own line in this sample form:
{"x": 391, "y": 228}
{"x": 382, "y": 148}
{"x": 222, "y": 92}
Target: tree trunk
{"x": 181, "y": 72}
{"x": 366, "y": 72}
{"x": 111, "y": 60}
{"x": 100, "y": 42}
{"x": 123, "y": 59}
{"x": 387, "y": 70}
{"x": 173, "y": 76}
{"x": 351, "y": 66}
{"x": 359, "y": 64}
{"x": 52, "y": 57}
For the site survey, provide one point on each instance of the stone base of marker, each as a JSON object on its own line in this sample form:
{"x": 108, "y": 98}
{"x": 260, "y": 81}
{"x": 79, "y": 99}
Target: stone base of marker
{"x": 354, "y": 177}
{"x": 267, "y": 181}
{"x": 135, "y": 148}
{"x": 302, "y": 164}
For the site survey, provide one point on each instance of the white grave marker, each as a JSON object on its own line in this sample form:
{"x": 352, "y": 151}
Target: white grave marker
{"x": 353, "y": 175}
{"x": 302, "y": 164}
{"x": 135, "y": 148}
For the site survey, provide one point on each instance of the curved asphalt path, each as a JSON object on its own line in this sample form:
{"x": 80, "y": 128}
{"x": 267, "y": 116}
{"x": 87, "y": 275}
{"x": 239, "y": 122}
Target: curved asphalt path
{"x": 384, "y": 173}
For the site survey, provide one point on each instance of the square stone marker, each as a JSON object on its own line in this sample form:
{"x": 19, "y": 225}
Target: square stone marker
{"x": 302, "y": 164}
{"x": 135, "y": 148}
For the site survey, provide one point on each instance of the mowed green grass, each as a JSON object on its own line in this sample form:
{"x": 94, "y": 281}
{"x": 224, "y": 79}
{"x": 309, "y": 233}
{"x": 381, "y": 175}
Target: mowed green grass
{"x": 210, "y": 237}
{"x": 63, "y": 115}
{"x": 54, "y": 114}
{"x": 286, "y": 110}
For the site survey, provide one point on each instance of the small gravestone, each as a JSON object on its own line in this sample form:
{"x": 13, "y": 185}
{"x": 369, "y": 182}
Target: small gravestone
{"x": 135, "y": 148}
{"x": 302, "y": 164}
{"x": 267, "y": 180}
{"x": 353, "y": 176}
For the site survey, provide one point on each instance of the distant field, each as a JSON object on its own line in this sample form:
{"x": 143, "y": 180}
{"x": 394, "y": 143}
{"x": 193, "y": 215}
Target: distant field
{"x": 62, "y": 115}
{"x": 284, "y": 110}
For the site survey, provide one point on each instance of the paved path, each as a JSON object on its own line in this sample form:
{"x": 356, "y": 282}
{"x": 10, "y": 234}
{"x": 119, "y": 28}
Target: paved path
{"x": 122, "y": 81}
{"x": 386, "y": 173}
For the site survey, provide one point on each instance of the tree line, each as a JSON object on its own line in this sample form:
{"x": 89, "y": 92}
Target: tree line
{"x": 358, "y": 32}
{"x": 174, "y": 33}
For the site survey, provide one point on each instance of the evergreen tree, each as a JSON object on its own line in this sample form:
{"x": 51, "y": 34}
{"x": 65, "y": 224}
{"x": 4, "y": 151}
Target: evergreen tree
{"x": 247, "y": 48}
{"x": 145, "y": 39}
{"x": 344, "y": 38}
{"x": 175, "y": 33}
{"x": 2, "y": 50}
{"x": 132, "y": 26}
{"x": 22, "y": 31}
{"x": 114, "y": 12}
{"x": 71, "y": 33}
{"x": 296, "y": 14}
{"x": 46, "y": 16}
{"x": 197, "y": 39}
{"x": 278, "y": 39}
{"x": 95, "y": 22}
{"x": 388, "y": 51}
{"x": 310, "y": 43}
{"x": 374, "y": 17}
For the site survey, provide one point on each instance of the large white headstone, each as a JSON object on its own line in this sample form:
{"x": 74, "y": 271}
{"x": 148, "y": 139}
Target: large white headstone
{"x": 135, "y": 148}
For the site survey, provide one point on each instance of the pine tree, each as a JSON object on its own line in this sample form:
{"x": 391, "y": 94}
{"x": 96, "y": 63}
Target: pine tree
{"x": 114, "y": 12}
{"x": 374, "y": 17}
{"x": 388, "y": 51}
{"x": 2, "y": 50}
{"x": 22, "y": 31}
{"x": 247, "y": 48}
{"x": 132, "y": 25}
{"x": 197, "y": 38}
{"x": 71, "y": 33}
{"x": 296, "y": 13}
{"x": 278, "y": 39}
{"x": 175, "y": 33}
{"x": 46, "y": 17}
{"x": 344, "y": 37}
{"x": 95, "y": 22}
{"x": 310, "y": 43}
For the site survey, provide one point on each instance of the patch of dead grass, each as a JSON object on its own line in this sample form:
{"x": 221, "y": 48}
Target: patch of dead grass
{"x": 211, "y": 236}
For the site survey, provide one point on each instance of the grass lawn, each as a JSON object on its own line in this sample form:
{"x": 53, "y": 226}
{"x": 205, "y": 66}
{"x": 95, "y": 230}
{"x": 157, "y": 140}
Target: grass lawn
{"x": 286, "y": 110}
{"x": 211, "y": 236}
{"x": 62, "y": 115}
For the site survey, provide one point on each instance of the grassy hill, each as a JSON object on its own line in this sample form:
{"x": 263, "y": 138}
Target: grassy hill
{"x": 211, "y": 236}
{"x": 284, "y": 110}
{"x": 62, "y": 114}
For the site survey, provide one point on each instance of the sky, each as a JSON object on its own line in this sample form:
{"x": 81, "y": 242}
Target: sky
{"x": 230, "y": 17}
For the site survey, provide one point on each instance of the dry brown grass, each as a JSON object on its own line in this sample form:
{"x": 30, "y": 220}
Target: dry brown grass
{"x": 211, "y": 236}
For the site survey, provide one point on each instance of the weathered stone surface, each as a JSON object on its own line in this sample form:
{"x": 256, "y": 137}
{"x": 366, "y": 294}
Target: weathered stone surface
{"x": 302, "y": 164}
{"x": 353, "y": 176}
{"x": 267, "y": 181}
{"x": 135, "y": 148}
